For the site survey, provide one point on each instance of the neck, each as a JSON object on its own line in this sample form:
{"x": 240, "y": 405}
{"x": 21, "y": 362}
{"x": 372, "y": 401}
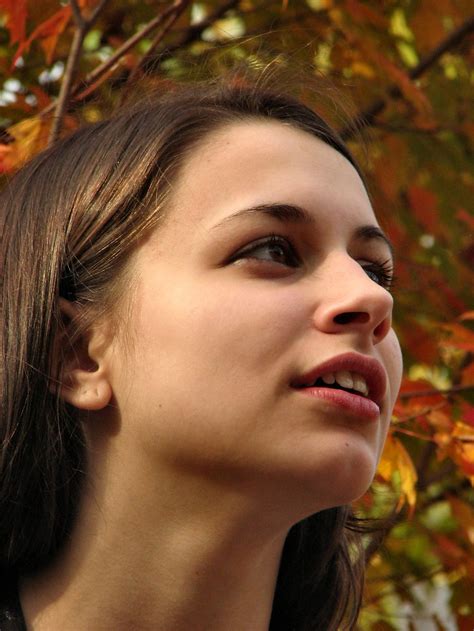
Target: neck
{"x": 177, "y": 556}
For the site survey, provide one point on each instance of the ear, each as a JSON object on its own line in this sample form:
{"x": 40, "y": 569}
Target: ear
{"x": 83, "y": 382}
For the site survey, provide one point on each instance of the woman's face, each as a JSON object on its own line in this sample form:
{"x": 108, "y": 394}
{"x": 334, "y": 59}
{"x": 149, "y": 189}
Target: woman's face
{"x": 237, "y": 297}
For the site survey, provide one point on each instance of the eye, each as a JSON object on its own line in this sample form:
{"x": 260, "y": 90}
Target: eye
{"x": 380, "y": 272}
{"x": 273, "y": 249}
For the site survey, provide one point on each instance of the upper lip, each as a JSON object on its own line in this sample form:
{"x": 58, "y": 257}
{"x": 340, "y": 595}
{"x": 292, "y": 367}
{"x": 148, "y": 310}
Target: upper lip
{"x": 371, "y": 369}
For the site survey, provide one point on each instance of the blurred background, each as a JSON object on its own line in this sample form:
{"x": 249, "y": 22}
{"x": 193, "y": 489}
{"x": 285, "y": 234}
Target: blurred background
{"x": 406, "y": 70}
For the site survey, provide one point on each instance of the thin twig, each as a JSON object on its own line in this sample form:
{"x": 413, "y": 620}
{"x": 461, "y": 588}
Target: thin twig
{"x": 95, "y": 75}
{"x": 435, "y": 391}
{"x": 94, "y": 78}
{"x": 76, "y": 11}
{"x": 406, "y": 419}
{"x": 367, "y": 117}
{"x": 95, "y": 13}
{"x": 150, "y": 54}
{"x": 83, "y": 25}
{"x": 71, "y": 65}
{"x": 195, "y": 31}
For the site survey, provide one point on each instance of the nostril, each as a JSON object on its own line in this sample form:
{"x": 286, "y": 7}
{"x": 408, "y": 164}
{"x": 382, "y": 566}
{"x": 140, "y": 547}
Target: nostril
{"x": 351, "y": 317}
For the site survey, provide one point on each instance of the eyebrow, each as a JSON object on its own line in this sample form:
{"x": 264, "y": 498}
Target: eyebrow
{"x": 289, "y": 213}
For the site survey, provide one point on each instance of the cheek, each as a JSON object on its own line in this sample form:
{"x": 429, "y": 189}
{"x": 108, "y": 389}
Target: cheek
{"x": 245, "y": 324}
{"x": 393, "y": 360}
{"x": 214, "y": 337}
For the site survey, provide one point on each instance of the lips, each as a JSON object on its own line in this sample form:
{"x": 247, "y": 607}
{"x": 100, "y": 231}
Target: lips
{"x": 368, "y": 367}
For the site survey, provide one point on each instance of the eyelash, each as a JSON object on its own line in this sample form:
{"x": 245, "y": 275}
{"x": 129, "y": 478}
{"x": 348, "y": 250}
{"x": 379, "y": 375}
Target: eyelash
{"x": 383, "y": 269}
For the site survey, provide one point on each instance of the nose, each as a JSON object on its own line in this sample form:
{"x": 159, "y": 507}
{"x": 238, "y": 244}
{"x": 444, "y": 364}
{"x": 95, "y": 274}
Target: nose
{"x": 353, "y": 302}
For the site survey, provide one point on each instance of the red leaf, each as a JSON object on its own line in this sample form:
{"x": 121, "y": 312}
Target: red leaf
{"x": 408, "y": 88}
{"x": 468, "y": 219}
{"x": 363, "y": 13}
{"x": 468, "y": 414}
{"x": 465, "y": 623}
{"x": 420, "y": 343}
{"x": 424, "y": 204}
{"x": 16, "y": 18}
{"x": 48, "y": 32}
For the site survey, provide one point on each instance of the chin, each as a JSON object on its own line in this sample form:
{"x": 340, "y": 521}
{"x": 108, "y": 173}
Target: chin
{"x": 341, "y": 477}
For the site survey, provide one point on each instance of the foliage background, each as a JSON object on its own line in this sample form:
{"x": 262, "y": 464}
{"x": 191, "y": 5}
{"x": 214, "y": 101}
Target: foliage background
{"x": 408, "y": 64}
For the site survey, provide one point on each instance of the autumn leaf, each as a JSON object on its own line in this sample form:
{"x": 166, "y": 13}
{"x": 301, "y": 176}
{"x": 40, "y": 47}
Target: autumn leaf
{"x": 408, "y": 88}
{"x": 395, "y": 459}
{"x": 424, "y": 205}
{"x": 48, "y": 33}
{"x": 420, "y": 168}
{"x": 364, "y": 13}
{"x": 451, "y": 552}
{"x": 459, "y": 336}
{"x": 28, "y": 138}
{"x": 464, "y": 216}
{"x": 467, "y": 414}
{"x": 16, "y": 12}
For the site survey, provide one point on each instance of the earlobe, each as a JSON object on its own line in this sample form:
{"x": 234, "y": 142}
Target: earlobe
{"x": 94, "y": 394}
{"x": 83, "y": 381}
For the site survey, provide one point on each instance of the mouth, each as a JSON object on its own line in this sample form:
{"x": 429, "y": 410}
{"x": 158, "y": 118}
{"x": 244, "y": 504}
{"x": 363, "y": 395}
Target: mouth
{"x": 352, "y": 380}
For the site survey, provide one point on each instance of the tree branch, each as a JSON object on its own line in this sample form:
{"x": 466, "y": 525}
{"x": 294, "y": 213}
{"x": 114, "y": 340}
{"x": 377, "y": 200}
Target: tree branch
{"x": 367, "y": 117}
{"x": 82, "y": 27}
{"x": 101, "y": 70}
{"x": 95, "y": 78}
{"x": 71, "y": 65}
{"x": 194, "y": 32}
{"x": 149, "y": 56}
{"x": 434, "y": 391}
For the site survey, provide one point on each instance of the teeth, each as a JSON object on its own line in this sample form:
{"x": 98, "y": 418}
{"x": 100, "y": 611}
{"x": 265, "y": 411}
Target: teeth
{"x": 329, "y": 378}
{"x": 360, "y": 384}
{"x": 346, "y": 379}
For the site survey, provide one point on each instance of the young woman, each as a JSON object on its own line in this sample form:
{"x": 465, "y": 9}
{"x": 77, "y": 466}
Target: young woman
{"x": 198, "y": 371}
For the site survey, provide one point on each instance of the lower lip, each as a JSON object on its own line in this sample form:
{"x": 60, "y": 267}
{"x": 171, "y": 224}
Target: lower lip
{"x": 357, "y": 405}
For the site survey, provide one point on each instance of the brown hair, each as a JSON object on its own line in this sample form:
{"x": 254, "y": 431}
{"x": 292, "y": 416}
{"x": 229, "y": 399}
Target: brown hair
{"x": 70, "y": 220}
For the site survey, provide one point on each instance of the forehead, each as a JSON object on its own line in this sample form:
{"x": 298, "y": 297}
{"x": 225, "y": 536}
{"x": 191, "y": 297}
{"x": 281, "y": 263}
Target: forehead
{"x": 248, "y": 163}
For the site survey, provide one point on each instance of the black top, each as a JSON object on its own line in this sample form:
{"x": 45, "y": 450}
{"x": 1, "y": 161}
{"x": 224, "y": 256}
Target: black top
{"x": 11, "y": 615}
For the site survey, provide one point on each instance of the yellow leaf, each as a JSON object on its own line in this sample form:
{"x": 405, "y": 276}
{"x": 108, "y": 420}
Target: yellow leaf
{"x": 395, "y": 458}
{"x": 363, "y": 69}
{"x": 28, "y": 140}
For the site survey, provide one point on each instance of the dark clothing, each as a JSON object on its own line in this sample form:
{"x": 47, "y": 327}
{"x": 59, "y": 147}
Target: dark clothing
{"x": 11, "y": 616}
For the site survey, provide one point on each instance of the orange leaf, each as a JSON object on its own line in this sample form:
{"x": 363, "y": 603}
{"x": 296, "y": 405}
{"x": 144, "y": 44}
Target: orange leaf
{"x": 407, "y": 87}
{"x": 441, "y": 421}
{"x": 29, "y": 139}
{"x": 16, "y": 18}
{"x": 396, "y": 458}
{"x": 48, "y": 32}
{"x": 464, "y": 456}
{"x": 460, "y": 336}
